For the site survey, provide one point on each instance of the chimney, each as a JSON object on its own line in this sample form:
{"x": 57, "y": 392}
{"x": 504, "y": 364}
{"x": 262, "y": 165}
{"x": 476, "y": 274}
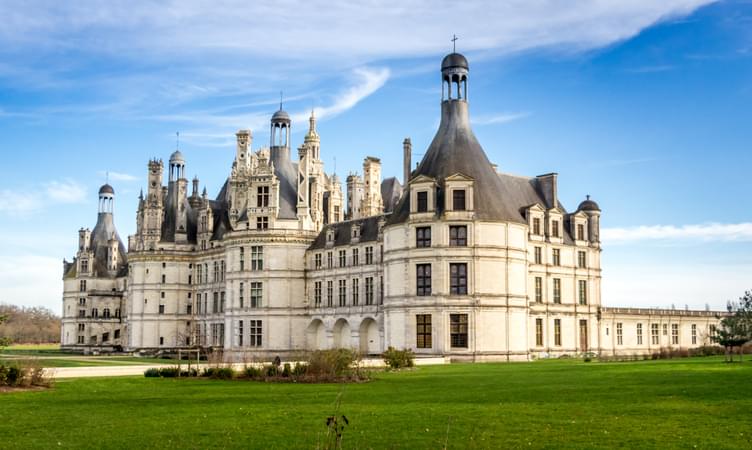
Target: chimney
{"x": 548, "y": 188}
{"x": 407, "y": 150}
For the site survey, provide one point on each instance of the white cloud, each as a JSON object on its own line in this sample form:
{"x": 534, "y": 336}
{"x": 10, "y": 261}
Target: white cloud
{"x": 368, "y": 81}
{"x": 117, "y": 176}
{"x": 22, "y": 202}
{"x": 661, "y": 285}
{"x": 701, "y": 232}
{"x": 31, "y": 280}
{"x": 331, "y": 28}
{"x": 499, "y": 118}
{"x": 65, "y": 191}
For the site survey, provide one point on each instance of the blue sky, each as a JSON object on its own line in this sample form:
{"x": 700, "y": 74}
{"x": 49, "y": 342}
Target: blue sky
{"x": 644, "y": 105}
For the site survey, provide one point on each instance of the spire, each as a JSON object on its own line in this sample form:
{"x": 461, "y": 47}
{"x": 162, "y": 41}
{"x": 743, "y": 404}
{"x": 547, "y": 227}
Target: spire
{"x": 312, "y": 133}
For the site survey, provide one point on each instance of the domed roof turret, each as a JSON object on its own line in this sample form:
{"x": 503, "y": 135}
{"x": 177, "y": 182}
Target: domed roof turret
{"x": 106, "y": 189}
{"x": 454, "y": 60}
{"x": 177, "y": 157}
{"x": 281, "y": 116}
{"x": 588, "y": 205}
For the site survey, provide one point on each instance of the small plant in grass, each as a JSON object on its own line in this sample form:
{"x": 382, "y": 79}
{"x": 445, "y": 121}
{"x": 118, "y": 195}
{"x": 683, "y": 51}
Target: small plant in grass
{"x": 252, "y": 372}
{"x": 23, "y": 374}
{"x": 219, "y": 373}
{"x": 151, "y": 372}
{"x": 398, "y": 359}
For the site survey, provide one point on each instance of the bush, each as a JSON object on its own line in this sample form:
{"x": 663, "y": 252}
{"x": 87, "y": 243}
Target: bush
{"x": 330, "y": 365}
{"x": 169, "y": 372}
{"x": 707, "y": 350}
{"x": 219, "y": 373}
{"x": 286, "y": 370}
{"x": 151, "y": 372}
{"x": 398, "y": 359}
{"x": 299, "y": 369}
{"x": 252, "y": 372}
{"x": 23, "y": 374}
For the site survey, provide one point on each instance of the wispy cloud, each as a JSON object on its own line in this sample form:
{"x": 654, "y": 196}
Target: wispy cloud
{"x": 651, "y": 69}
{"x": 21, "y": 202}
{"x": 741, "y": 232}
{"x": 117, "y": 176}
{"x": 499, "y": 118}
{"x": 621, "y": 162}
{"x": 368, "y": 81}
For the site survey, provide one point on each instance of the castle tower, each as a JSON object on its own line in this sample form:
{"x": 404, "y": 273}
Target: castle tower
{"x": 336, "y": 207}
{"x": 242, "y": 157}
{"x": 354, "y": 196}
{"x": 372, "y": 203}
{"x": 178, "y": 197}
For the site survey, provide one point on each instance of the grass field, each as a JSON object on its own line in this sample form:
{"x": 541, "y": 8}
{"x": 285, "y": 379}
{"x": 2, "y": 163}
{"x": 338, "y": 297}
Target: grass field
{"x": 50, "y": 355}
{"x": 685, "y": 403}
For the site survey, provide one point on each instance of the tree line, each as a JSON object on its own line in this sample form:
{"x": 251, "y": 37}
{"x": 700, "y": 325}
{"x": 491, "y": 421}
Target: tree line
{"x": 28, "y": 325}
{"x": 735, "y": 328}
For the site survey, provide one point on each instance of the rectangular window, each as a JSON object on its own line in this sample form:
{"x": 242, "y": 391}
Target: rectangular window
{"x": 557, "y": 332}
{"x": 81, "y": 313}
{"x": 665, "y": 329}
{"x": 84, "y": 265}
{"x": 458, "y": 278}
{"x": 639, "y": 334}
{"x": 241, "y": 295}
{"x": 458, "y": 235}
{"x": 262, "y": 196}
{"x": 256, "y": 333}
{"x": 458, "y": 330}
{"x": 555, "y": 228}
{"x": 582, "y": 291}
{"x": 536, "y": 226}
{"x": 423, "y": 237}
{"x": 423, "y": 331}
{"x": 619, "y": 334}
{"x": 343, "y": 258}
{"x": 317, "y": 261}
{"x": 355, "y": 293}
{"x": 342, "y": 292}
{"x": 539, "y": 332}
{"x": 215, "y": 304}
{"x": 222, "y": 301}
{"x": 369, "y": 290}
{"x": 580, "y": 232}
{"x": 242, "y": 258}
{"x": 422, "y": 201}
{"x": 262, "y": 223}
{"x": 369, "y": 255}
{"x": 556, "y": 257}
{"x": 257, "y": 257}
{"x": 674, "y": 334}
{"x": 458, "y": 199}
{"x": 164, "y": 279}
{"x": 584, "y": 341}
{"x": 423, "y": 279}
{"x": 188, "y": 310}
{"x": 329, "y": 260}
{"x": 82, "y": 286}
{"x": 538, "y": 252}
{"x": 538, "y": 290}
{"x": 581, "y": 261}
{"x": 329, "y": 293}
{"x": 317, "y": 294}
{"x": 240, "y": 333}
{"x": 355, "y": 257}
{"x": 557, "y": 290}
{"x": 161, "y": 309}
{"x": 694, "y": 334}
{"x": 257, "y": 292}
{"x": 654, "y": 334}
{"x": 116, "y": 335}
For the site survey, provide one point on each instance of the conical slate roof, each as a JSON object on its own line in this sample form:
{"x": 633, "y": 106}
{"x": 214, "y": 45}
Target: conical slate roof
{"x": 454, "y": 150}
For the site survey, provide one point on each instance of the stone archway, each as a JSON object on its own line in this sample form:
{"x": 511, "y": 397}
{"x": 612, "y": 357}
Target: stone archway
{"x": 370, "y": 343}
{"x": 316, "y": 335}
{"x": 341, "y": 334}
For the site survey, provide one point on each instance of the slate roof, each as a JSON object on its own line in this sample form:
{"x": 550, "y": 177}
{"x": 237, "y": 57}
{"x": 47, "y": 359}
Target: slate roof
{"x": 455, "y": 149}
{"x": 369, "y": 232}
{"x": 391, "y": 192}
{"x": 288, "y": 186}
{"x": 103, "y": 231}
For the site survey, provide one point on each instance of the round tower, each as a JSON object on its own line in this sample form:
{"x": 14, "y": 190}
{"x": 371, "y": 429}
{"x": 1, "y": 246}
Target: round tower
{"x": 280, "y": 128}
{"x": 177, "y": 166}
{"x": 454, "y": 70}
{"x": 106, "y": 199}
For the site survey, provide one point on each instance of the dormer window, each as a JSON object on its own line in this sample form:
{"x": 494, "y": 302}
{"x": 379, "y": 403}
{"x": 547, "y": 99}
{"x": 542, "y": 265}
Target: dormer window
{"x": 580, "y": 232}
{"x": 536, "y": 226}
{"x": 422, "y": 201}
{"x": 330, "y": 236}
{"x": 262, "y": 223}
{"x": 458, "y": 200}
{"x": 262, "y": 196}
{"x": 555, "y": 228}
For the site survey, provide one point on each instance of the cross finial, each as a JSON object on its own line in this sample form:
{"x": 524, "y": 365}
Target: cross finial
{"x": 280, "y": 100}
{"x": 177, "y": 140}
{"x": 335, "y": 165}
{"x": 107, "y": 177}
{"x": 454, "y": 43}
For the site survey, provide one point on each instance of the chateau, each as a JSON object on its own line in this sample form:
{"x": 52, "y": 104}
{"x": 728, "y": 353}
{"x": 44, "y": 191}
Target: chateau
{"x": 458, "y": 260}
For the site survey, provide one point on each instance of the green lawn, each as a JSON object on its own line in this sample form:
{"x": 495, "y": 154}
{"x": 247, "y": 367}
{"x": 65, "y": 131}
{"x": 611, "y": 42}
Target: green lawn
{"x": 571, "y": 404}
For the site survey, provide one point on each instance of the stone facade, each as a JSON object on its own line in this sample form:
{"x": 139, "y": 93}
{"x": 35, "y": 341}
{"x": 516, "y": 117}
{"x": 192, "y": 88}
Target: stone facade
{"x": 458, "y": 260}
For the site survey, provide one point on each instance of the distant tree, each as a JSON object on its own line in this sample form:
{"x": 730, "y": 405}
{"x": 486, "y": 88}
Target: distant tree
{"x": 30, "y": 324}
{"x": 4, "y": 341}
{"x": 735, "y": 329}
